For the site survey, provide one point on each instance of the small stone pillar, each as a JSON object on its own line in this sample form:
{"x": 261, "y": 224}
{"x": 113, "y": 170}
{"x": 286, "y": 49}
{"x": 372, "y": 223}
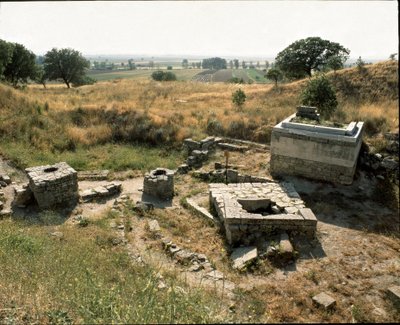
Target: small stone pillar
{"x": 159, "y": 183}
{"x": 53, "y": 185}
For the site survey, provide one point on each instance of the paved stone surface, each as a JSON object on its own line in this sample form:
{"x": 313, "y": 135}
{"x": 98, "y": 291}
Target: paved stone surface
{"x": 324, "y": 300}
{"x": 242, "y": 256}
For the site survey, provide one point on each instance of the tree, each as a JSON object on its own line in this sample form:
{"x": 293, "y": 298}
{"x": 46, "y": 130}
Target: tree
{"x": 40, "y": 76}
{"x": 66, "y": 64}
{"x": 236, "y": 63}
{"x": 151, "y": 64}
{"x": 392, "y": 56}
{"x": 274, "y": 75}
{"x": 266, "y": 65}
{"x": 335, "y": 63}
{"x": 244, "y": 66}
{"x": 303, "y": 56}
{"x": 185, "y": 63}
{"x": 258, "y": 65}
{"x": 320, "y": 93}
{"x": 6, "y": 51}
{"x": 360, "y": 64}
{"x": 214, "y": 63}
{"x": 21, "y": 66}
{"x": 238, "y": 98}
{"x": 198, "y": 65}
{"x": 230, "y": 64}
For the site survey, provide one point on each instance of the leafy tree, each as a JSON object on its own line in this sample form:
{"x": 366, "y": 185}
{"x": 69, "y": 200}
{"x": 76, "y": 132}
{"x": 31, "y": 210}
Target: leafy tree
{"x": 163, "y": 76}
{"x": 274, "y": 75}
{"x": 84, "y": 80}
{"x": 214, "y": 63}
{"x": 21, "y": 66}
{"x": 198, "y": 65}
{"x": 238, "y": 98}
{"x": 40, "y": 76}
{"x": 392, "y": 56}
{"x": 236, "y": 63}
{"x": 185, "y": 63}
{"x": 320, "y": 93}
{"x": 66, "y": 64}
{"x": 231, "y": 64}
{"x": 169, "y": 67}
{"x": 335, "y": 63}
{"x": 303, "y": 56}
{"x": 244, "y": 66}
{"x": 266, "y": 65}
{"x": 258, "y": 65}
{"x": 6, "y": 51}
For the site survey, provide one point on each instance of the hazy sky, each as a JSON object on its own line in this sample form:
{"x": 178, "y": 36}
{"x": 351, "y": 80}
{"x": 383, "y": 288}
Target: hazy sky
{"x": 224, "y": 28}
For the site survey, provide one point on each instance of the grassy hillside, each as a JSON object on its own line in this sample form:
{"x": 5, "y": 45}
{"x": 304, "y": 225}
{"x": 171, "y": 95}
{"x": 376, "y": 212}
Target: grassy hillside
{"x": 113, "y": 118}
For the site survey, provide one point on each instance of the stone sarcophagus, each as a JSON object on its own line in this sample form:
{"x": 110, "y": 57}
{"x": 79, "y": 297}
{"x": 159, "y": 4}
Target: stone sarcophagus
{"x": 315, "y": 151}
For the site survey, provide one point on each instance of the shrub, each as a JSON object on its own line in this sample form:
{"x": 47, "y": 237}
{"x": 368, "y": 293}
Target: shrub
{"x": 238, "y": 98}
{"x": 374, "y": 125}
{"x": 163, "y": 76}
{"x": 214, "y": 127}
{"x": 320, "y": 93}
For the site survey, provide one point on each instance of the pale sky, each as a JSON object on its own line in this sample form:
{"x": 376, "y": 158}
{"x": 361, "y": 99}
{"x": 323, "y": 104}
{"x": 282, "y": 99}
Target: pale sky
{"x": 218, "y": 28}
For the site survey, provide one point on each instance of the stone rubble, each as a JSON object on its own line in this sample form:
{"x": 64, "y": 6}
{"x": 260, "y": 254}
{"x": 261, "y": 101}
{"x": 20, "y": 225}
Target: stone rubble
{"x": 393, "y": 294}
{"x": 100, "y": 192}
{"x": 93, "y": 175}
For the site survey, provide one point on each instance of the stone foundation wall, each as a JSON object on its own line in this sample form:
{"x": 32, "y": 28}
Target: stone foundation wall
{"x": 316, "y": 152}
{"x": 283, "y": 165}
{"x": 244, "y": 227}
{"x": 53, "y": 185}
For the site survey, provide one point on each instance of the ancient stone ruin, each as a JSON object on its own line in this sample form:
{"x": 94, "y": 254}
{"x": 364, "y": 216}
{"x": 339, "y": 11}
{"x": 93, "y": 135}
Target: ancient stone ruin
{"x": 159, "y": 183}
{"x": 315, "y": 151}
{"x": 249, "y": 211}
{"x": 53, "y": 185}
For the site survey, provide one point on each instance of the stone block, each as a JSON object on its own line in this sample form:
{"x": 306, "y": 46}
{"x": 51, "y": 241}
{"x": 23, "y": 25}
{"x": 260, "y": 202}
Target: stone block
{"x": 393, "y": 294}
{"x": 242, "y": 256}
{"x": 153, "y": 226}
{"x": 324, "y": 300}
{"x": 6, "y": 179}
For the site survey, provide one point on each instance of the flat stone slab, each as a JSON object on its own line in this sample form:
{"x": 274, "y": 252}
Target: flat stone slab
{"x": 93, "y": 175}
{"x": 242, "y": 256}
{"x": 324, "y": 300}
{"x": 202, "y": 211}
{"x": 232, "y": 147}
{"x": 153, "y": 225}
{"x": 393, "y": 293}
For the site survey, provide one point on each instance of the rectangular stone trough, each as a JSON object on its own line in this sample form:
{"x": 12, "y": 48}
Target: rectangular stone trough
{"x": 251, "y": 210}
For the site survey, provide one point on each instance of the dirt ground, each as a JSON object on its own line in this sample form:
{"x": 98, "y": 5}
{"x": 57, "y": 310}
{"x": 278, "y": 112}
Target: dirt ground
{"x": 354, "y": 258}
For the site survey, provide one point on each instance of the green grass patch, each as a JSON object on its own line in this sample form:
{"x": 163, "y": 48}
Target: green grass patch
{"x": 115, "y": 157}
{"x": 257, "y": 76}
{"x": 76, "y": 280}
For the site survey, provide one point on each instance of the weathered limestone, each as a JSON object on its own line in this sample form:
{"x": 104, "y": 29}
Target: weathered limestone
{"x": 393, "y": 293}
{"x": 159, "y": 183}
{"x": 53, "y": 185}
{"x": 317, "y": 152}
{"x": 232, "y": 147}
{"x": 262, "y": 211}
{"x": 324, "y": 300}
{"x": 100, "y": 192}
{"x": 93, "y": 175}
{"x": 243, "y": 256}
{"x": 22, "y": 195}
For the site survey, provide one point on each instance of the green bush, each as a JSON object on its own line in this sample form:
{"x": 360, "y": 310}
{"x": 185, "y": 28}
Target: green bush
{"x": 238, "y": 98}
{"x": 163, "y": 76}
{"x": 320, "y": 93}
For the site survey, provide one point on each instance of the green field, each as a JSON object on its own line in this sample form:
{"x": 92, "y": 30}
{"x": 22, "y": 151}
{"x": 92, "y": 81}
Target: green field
{"x": 139, "y": 74}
